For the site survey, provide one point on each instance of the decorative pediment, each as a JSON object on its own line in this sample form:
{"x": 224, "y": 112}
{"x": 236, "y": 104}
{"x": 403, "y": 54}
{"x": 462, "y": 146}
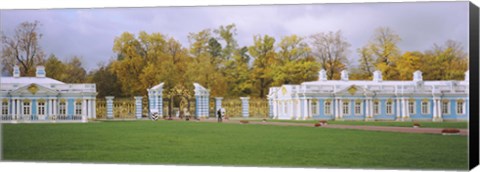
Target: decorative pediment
{"x": 34, "y": 89}
{"x": 354, "y": 90}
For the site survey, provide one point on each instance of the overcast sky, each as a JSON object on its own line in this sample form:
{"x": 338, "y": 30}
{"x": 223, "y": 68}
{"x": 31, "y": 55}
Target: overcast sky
{"x": 89, "y": 33}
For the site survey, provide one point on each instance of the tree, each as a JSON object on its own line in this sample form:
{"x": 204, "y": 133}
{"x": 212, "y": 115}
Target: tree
{"x": 106, "y": 82}
{"x": 445, "y": 62}
{"x": 367, "y": 64}
{"x": 294, "y": 62}
{"x": 237, "y": 74}
{"x": 55, "y": 68}
{"x": 384, "y": 49}
{"x": 75, "y": 71}
{"x": 331, "y": 49}
{"x": 292, "y": 48}
{"x": 204, "y": 67}
{"x": 227, "y": 34}
{"x": 23, "y": 49}
{"x": 296, "y": 72}
{"x": 134, "y": 54}
{"x": 263, "y": 51}
{"x": 408, "y": 63}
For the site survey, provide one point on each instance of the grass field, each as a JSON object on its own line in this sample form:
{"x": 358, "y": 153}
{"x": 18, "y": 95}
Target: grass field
{"x": 202, "y": 143}
{"x": 425, "y": 124}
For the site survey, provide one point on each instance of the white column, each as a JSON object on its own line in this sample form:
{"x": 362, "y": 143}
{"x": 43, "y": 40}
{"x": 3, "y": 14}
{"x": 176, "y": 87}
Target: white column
{"x": 84, "y": 110}
{"x": 305, "y": 108}
{"x": 94, "y": 108}
{"x": 340, "y": 108}
{"x": 371, "y": 107}
{"x": 337, "y": 115}
{"x": 298, "y": 109}
{"x": 14, "y": 108}
{"x": 397, "y": 104}
{"x": 19, "y": 111}
{"x": 407, "y": 112}
{"x": 274, "y": 109}
{"x": 55, "y": 111}
{"x": 367, "y": 109}
{"x": 439, "y": 108}
{"x": 434, "y": 107}
{"x": 156, "y": 100}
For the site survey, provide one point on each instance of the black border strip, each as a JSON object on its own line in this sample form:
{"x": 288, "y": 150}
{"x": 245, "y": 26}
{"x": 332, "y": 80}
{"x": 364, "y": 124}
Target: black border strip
{"x": 474, "y": 88}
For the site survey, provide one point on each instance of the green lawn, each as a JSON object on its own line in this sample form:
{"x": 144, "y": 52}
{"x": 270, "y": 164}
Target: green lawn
{"x": 425, "y": 124}
{"x": 201, "y": 143}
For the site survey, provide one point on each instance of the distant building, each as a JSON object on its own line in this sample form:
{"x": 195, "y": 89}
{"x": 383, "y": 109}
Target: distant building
{"x": 370, "y": 100}
{"x": 41, "y": 98}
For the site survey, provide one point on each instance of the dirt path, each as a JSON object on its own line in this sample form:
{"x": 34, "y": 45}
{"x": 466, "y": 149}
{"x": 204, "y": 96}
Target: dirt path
{"x": 356, "y": 127}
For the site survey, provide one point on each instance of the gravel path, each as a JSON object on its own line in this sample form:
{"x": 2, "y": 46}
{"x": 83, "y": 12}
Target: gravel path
{"x": 355, "y": 127}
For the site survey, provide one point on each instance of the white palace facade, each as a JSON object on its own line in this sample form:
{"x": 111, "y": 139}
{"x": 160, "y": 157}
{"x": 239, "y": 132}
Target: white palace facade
{"x": 41, "y": 98}
{"x": 371, "y": 100}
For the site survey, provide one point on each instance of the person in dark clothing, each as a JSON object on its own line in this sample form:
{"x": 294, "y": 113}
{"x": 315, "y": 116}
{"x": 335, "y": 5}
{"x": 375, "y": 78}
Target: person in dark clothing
{"x": 219, "y": 114}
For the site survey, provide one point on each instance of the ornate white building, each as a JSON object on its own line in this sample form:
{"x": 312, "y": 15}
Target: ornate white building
{"x": 41, "y": 98}
{"x": 370, "y": 100}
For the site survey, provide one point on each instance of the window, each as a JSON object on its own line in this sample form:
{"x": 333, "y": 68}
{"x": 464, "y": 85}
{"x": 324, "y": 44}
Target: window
{"x": 26, "y": 108}
{"x": 328, "y": 108}
{"x": 41, "y": 108}
{"x": 346, "y": 108}
{"x": 376, "y": 108}
{"x": 411, "y": 107}
{"x": 62, "y": 108}
{"x": 358, "y": 107}
{"x": 4, "y": 108}
{"x": 460, "y": 107}
{"x": 445, "y": 109}
{"x": 314, "y": 107}
{"x": 389, "y": 108}
{"x": 425, "y": 107}
{"x": 78, "y": 108}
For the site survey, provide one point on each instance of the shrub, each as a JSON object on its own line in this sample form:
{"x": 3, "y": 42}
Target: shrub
{"x": 416, "y": 124}
{"x": 450, "y": 130}
{"x": 317, "y": 125}
{"x": 244, "y": 121}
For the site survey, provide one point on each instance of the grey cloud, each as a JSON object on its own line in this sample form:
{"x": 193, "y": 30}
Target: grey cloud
{"x": 90, "y": 32}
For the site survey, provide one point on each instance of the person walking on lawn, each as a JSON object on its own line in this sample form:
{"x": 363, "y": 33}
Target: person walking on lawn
{"x": 219, "y": 113}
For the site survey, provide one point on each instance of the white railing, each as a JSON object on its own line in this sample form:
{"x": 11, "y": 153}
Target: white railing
{"x": 58, "y": 87}
{"x": 35, "y": 118}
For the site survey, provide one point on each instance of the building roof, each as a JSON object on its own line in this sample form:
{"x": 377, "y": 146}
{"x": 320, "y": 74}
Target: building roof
{"x": 28, "y": 80}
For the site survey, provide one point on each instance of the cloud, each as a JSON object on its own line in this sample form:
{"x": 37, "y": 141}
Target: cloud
{"x": 90, "y": 33}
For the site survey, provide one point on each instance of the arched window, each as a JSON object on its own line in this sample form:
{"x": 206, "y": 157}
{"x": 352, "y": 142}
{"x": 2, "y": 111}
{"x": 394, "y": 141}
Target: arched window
{"x": 425, "y": 107}
{"x": 328, "y": 108}
{"x": 4, "y": 107}
{"x": 314, "y": 107}
{"x": 460, "y": 107}
{"x": 376, "y": 108}
{"x": 389, "y": 108}
{"x": 26, "y": 108}
{"x": 346, "y": 108}
{"x": 41, "y": 108}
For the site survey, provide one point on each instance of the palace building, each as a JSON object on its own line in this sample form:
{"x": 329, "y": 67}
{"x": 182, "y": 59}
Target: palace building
{"x": 371, "y": 100}
{"x": 41, "y": 98}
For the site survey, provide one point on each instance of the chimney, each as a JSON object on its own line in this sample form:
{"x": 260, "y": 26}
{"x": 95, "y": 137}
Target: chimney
{"x": 344, "y": 75}
{"x": 16, "y": 71}
{"x": 417, "y": 76}
{"x": 377, "y": 76}
{"x": 40, "y": 72}
{"x": 322, "y": 75}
